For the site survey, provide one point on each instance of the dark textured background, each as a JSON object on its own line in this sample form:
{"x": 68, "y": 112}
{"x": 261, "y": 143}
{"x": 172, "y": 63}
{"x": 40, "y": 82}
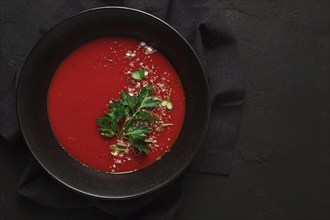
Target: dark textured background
{"x": 281, "y": 166}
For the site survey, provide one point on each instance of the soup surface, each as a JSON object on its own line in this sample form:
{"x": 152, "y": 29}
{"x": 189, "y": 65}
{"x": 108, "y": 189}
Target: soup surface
{"x": 95, "y": 75}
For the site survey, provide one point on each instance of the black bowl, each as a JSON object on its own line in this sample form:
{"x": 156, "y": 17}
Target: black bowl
{"x": 37, "y": 73}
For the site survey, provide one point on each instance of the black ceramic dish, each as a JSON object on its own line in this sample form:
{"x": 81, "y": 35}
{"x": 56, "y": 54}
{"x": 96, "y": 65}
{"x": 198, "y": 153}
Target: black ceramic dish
{"x": 55, "y": 46}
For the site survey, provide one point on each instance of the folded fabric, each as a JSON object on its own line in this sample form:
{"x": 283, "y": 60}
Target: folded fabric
{"x": 38, "y": 186}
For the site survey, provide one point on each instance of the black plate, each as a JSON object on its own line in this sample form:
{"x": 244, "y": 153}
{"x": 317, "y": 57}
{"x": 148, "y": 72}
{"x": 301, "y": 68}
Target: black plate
{"x": 55, "y": 46}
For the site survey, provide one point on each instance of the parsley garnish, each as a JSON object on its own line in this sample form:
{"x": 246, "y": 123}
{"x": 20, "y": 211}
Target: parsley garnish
{"x": 139, "y": 75}
{"x": 125, "y": 114}
{"x": 167, "y": 102}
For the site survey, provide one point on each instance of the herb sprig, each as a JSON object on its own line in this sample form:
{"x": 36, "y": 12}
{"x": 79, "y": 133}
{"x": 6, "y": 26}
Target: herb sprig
{"x": 125, "y": 114}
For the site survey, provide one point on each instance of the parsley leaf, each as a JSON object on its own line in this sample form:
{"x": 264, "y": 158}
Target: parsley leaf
{"x": 137, "y": 133}
{"x": 167, "y": 102}
{"x": 105, "y": 126}
{"x": 139, "y": 75}
{"x": 128, "y": 100}
{"x": 144, "y": 92}
{"x": 145, "y": 115}
{"x": 150, "y": 102}
{"x": 116, "y": 150}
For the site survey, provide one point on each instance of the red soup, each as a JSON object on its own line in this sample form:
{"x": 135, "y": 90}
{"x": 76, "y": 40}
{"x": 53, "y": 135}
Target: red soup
{"x": 116, "y": 105}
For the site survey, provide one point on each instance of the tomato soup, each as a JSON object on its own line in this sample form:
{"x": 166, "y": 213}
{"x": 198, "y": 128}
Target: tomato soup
{"x": 87, "y": 81}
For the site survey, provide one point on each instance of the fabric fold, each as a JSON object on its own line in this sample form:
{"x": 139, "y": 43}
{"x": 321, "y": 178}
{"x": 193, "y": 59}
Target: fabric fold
{"x": 9, "y": 128}
{"x": 40, "y": 187}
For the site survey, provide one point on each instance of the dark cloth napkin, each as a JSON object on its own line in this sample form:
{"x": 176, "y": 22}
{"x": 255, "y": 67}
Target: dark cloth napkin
{"x": 201, "y": 23}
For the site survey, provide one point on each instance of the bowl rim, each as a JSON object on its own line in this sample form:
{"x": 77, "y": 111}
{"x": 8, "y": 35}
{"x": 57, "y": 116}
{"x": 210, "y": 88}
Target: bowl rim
{"x": 86, "y": 193}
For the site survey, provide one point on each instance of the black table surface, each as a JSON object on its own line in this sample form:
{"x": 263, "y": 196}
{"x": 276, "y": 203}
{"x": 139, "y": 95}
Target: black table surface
{"x": 281, "y": 166}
